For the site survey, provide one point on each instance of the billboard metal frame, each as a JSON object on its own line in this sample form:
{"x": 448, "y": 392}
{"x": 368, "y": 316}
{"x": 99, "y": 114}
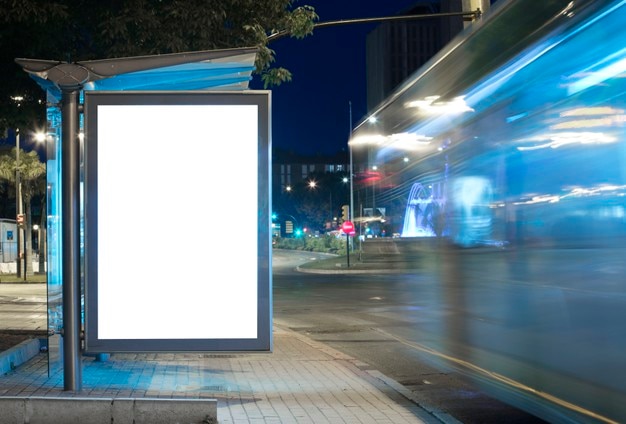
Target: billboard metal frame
{"x": 256, "y": 241}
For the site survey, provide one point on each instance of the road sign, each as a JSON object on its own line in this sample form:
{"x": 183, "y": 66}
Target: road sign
{"x": 348, "y": 227}
{"x": 20, "y": 219}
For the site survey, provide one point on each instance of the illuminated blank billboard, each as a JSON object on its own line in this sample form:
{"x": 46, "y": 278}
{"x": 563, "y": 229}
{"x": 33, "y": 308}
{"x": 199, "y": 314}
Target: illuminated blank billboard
{"x": 177, "y": 221}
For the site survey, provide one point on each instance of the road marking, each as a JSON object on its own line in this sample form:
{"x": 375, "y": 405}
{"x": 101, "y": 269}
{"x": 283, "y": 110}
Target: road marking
{"x": 498, "y": 377}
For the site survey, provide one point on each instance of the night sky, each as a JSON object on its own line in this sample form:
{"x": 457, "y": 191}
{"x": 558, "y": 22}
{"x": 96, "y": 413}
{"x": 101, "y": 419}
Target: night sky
{"x": 311, "y": 114}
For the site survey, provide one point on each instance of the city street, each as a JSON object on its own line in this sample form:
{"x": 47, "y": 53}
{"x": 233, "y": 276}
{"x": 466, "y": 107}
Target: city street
{"x": 23, "y": 307}
{"x": 377, "y": 319}
{"x": 404, "y": 326}
{"x": 328, "y": 309}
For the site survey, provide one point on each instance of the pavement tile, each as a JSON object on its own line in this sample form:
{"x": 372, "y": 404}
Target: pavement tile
{"x": 301, "y": 381}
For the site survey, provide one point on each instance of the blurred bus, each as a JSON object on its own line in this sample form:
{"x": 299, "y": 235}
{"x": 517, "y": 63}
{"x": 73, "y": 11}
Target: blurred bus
{"x": 509, "y": 149}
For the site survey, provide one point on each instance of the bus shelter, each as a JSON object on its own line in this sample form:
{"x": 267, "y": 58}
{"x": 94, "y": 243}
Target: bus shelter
{"x": 66, "y": 84}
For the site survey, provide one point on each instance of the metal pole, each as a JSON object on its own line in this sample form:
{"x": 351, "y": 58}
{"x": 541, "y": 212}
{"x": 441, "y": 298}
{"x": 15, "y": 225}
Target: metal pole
{"x": 351, "y": 168}
{"x": 25, "y": 247}
{"x": 18, "y": 205}
{"x": 70, "y": 162}
{"x": 472, "y": 14}
{"x": 351, "y": 214}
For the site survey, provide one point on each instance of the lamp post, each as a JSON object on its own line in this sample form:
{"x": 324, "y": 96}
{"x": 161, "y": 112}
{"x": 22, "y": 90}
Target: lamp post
{"x": 351, "y": 211}
{"x": 375, "y": 169}
{"x": 18, "y": 206}
{"x": 42, "y": 248}
{"x": 351, "y": 167}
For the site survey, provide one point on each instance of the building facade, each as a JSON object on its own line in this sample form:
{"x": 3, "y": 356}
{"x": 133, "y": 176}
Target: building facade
{"x": 396, "y": 49}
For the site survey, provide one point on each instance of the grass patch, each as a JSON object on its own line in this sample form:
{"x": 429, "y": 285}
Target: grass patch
{"x": 12, "y": 278}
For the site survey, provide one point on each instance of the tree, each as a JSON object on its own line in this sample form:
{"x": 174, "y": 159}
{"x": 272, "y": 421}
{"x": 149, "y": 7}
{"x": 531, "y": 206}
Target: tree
{"x": 32, "y": 171}
{"x": 316, "y": 205}
{"x": 75, "y": 30}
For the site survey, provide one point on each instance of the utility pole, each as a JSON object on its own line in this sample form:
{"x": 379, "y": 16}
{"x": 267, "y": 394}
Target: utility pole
{"x": 18, "y": 206}
{"x": 351, "y": 212}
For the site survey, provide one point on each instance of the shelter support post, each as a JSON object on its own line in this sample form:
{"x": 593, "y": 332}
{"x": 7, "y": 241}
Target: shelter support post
{"x": 70, "y": 165}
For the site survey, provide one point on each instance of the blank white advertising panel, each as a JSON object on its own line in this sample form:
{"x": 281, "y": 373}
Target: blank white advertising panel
{"x": 177, "y": 221}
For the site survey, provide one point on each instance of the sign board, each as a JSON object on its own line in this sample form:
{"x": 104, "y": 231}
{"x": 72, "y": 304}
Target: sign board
{"x": 150, "y": 158}
{"x": 348, "y": 227}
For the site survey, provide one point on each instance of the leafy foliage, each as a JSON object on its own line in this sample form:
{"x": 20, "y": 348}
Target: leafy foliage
{"x": 32, "y": 178}
{"x": 325, "y": 243}
{"x": 78, "y": 30}
{"x": 316, "y": 206}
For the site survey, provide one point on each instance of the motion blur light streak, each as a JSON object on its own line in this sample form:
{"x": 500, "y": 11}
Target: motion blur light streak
{"x": 520, "y": 202}
{"x": 586, "y": 111}
{"x": 566, "y": 138}
{"x": 402, "y": 141}
{"x": 599, "y": 76}
{"x": 432, "y": 106}
{"x": 612, "y": 190}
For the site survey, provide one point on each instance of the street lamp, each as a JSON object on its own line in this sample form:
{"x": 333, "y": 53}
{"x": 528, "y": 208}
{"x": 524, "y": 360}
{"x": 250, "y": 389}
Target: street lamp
{"x": 375, "y": 169}
{"x": 18, "y": 207}
{"x": 351, "y": 211}
{"x": 42, "y": 250}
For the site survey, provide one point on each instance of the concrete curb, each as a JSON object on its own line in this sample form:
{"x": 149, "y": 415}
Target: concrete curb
{"x": 60, "y": 410}
{"x": 345, "y": 270}
{"x": 17, "y": 355}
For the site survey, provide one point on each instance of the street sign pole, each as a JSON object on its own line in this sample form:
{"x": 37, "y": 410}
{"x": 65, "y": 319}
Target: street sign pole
{"x": 348, "y": 228}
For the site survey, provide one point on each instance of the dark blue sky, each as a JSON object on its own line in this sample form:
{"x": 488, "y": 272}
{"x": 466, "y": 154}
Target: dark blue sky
{"x": 311, "y": 113}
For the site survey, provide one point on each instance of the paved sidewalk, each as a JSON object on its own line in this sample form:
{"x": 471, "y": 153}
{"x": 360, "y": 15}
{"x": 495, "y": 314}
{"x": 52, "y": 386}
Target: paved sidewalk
{"x": 302, "y": 381}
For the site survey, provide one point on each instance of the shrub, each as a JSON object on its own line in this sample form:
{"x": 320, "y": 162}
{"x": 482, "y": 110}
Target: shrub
{"x": 324, "y": 243}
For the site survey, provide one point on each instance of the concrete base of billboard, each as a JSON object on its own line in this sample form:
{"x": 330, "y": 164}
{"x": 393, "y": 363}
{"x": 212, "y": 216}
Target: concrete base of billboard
{"x": 52, "y": 410}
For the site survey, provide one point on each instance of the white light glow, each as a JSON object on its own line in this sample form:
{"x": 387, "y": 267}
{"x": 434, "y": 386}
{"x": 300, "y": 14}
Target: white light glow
{"x": 400, "y": 141}
{"x": 556, "y": 140}
{"x": 598, "y": 76}
{"x": 613, "y": 190}
{"x": 432, "y": 106}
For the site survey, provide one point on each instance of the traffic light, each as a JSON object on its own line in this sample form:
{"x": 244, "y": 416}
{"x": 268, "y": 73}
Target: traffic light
{"x": 345, "y": 213}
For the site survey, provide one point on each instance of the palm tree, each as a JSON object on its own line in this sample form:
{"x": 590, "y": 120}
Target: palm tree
{"x": 31, "y": 170}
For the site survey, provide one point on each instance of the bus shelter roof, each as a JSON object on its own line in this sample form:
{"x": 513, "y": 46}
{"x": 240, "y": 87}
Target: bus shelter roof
{"x": 227, "y": 69}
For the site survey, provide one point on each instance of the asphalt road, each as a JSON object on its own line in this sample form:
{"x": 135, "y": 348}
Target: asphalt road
{"x": 23, "y": 307}
{"x": 374, "y": 318}
{"x": 394, "y": 323}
